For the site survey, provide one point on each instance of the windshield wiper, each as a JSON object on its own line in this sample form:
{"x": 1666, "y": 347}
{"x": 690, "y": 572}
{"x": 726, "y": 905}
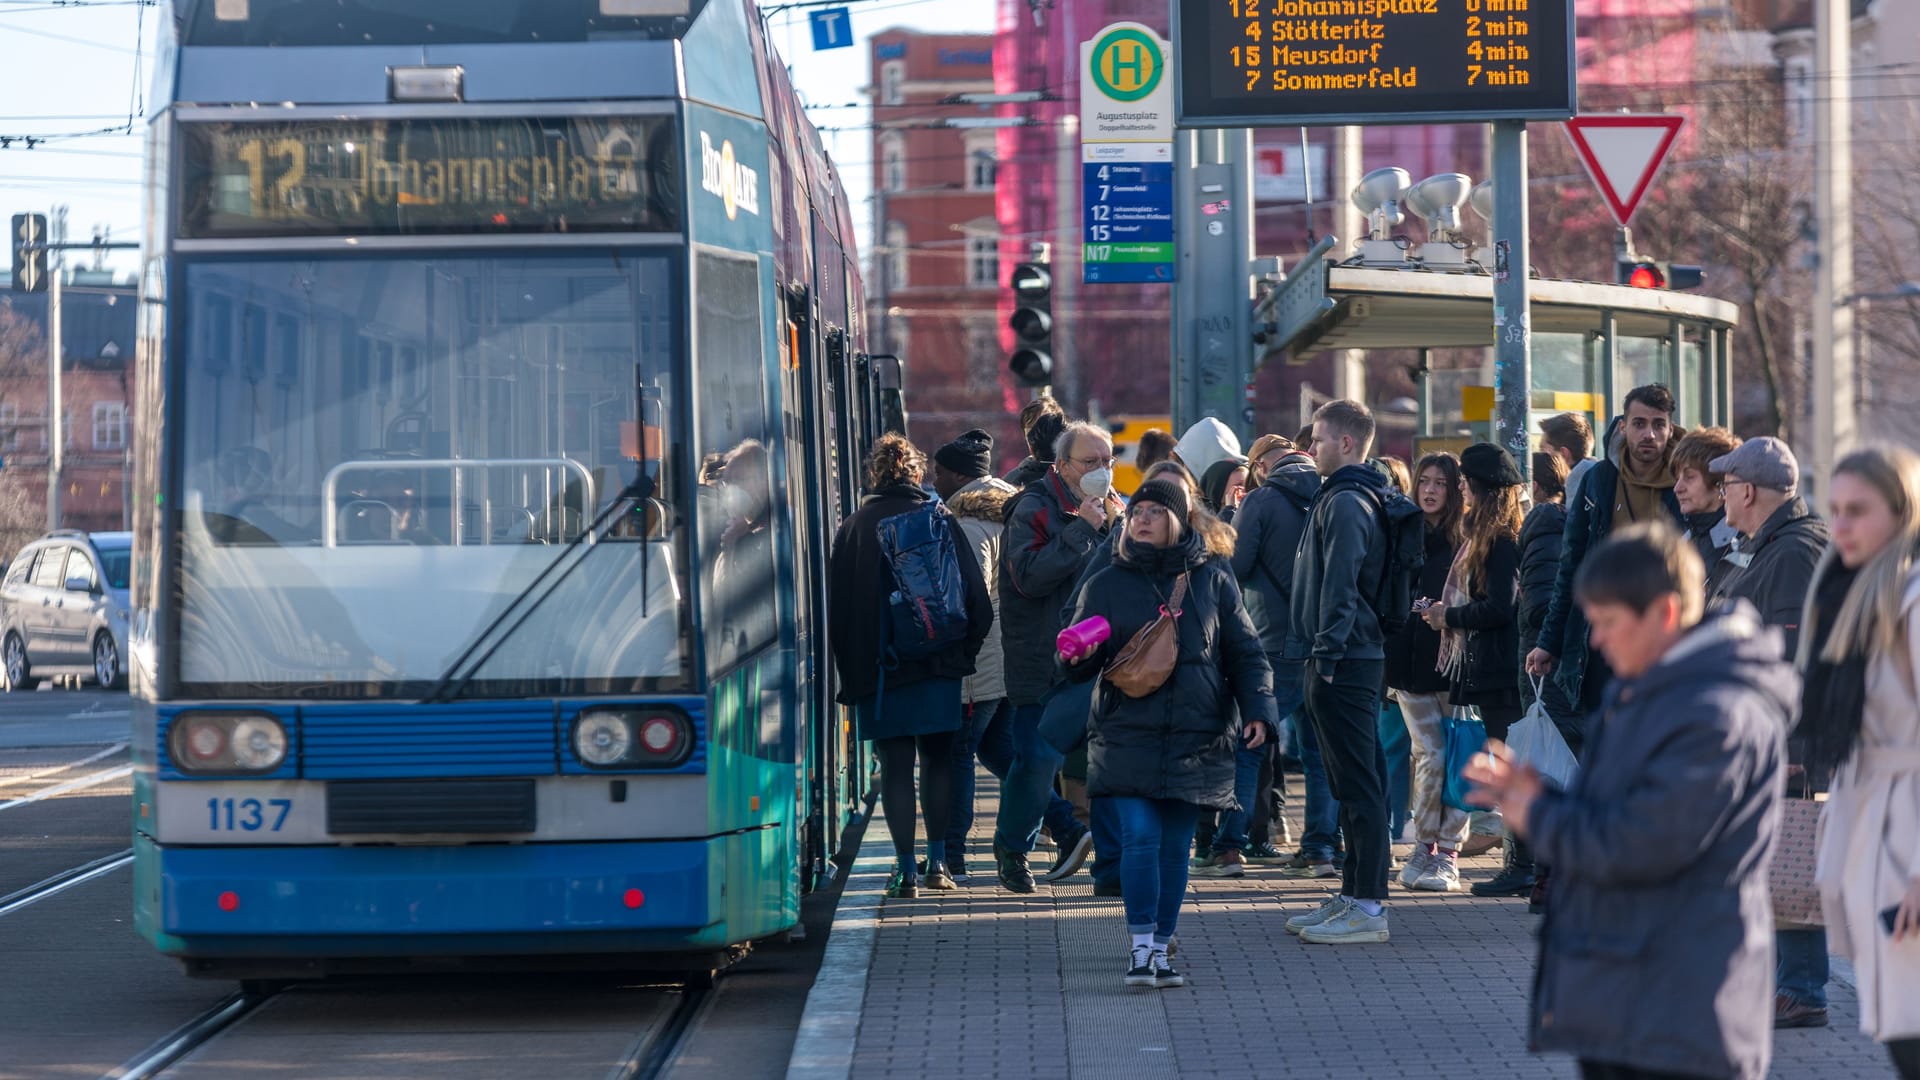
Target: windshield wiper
{"x": 451, "y": 682}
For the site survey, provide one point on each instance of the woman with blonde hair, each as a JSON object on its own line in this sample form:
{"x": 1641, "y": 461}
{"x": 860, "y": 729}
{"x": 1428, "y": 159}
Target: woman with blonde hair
{"x": 1860, "y": 728}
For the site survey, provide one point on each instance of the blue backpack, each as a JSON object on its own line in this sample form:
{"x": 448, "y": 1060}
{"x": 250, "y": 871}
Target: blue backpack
{"x": 926, "y": 612}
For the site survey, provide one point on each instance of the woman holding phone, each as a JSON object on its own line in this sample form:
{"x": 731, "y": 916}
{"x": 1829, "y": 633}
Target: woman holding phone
{"x": 1861, "y": 727}
{"x": 1165, "y": 730}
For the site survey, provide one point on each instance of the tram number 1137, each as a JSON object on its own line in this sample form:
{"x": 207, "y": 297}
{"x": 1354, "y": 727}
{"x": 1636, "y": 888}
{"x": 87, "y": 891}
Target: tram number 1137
{"x": 250, "y": 815}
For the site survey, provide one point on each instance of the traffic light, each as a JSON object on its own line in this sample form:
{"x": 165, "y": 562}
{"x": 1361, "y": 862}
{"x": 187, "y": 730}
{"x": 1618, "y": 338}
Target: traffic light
{"x": 1644, "y": 273}
{"x": 29, "y": 266}
{"x": 1032, "y": 322}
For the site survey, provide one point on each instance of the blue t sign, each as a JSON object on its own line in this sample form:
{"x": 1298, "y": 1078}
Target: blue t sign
{"x": 832, "y": 28}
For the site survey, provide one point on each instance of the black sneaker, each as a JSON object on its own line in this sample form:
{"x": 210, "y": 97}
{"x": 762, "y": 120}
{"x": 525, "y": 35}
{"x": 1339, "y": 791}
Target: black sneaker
{"x": 1106, "y": 888}
{"x": 902, "y": 887}
{"x": 939, "y": 879}
{"x": 1141, "y": 971}
{"x": 1163, "y": 974}
{"x": 1512, "y": 881}
{"x": 1073, "y": 855}
{"x": 1265, "y": 855}
{"x": 1012, "y": 866}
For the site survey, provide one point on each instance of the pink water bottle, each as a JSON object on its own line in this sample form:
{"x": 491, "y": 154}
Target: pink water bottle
{"x": 1081, "y": 636}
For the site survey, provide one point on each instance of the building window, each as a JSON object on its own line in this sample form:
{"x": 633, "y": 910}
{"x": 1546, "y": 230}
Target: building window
{"x": 9, "y": 426}
{"x": 983, "y": 261}
{"x": 982, "y": 166}
{"x": 893, "y": 74}
{"x": 1798, "y": 84}
{"x": 896, "y": 254}
{"x": 893, "y": 163}
{"x": 109, "y": 425}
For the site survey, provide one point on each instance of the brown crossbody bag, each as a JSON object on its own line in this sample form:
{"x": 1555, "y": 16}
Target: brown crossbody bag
{"x": 1147, "y": 660}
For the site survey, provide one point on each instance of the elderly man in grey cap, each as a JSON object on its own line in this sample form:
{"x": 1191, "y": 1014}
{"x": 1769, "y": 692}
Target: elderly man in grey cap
{"x": 1781, "y": 541}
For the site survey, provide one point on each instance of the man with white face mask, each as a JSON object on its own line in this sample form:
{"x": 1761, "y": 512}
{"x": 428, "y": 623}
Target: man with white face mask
{"x": 1052, "y": 528}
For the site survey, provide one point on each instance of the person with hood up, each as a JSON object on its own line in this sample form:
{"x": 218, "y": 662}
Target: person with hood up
{"x": 1164, "y": 757}
{"x": 1696, "y": 487}
{"x": 1859, "y": 734}
{"x": 1041, "y": 421}
{"x": 903, "y": 707}
{"x": 1633, "y": 485}
{"x": 1656, "y": 955}
{"x": 1267, "y": 537}
{"x": 1206, "y": 442}
{"x": 963, "y": 478}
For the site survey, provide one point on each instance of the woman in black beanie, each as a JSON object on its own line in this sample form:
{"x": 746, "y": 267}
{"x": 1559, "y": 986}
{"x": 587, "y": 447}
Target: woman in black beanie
{"x": 1165, "y": 756}
{"x": 1478, "y": 616}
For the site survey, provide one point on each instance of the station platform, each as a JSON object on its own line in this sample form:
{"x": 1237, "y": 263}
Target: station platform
{"x": 985, "y": 984}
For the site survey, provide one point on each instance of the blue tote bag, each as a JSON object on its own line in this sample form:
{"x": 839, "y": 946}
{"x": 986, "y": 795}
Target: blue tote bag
{"x": 1465, "y": 736}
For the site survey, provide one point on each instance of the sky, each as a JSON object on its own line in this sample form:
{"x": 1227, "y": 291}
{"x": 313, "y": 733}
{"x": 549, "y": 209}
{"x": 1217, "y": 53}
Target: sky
{"x": 87, "y": 65}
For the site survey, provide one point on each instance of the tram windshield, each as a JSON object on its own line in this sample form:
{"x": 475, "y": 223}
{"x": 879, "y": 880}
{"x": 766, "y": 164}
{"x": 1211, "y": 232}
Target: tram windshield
{"x": 392, "y": 470}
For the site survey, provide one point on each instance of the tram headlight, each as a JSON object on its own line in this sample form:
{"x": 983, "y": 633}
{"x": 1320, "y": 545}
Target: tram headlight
{"x": 259, "y": 743}
{"x": 602, "y": 738}
{"x": 633, "y": 738}
{"x": 227, "y": 742}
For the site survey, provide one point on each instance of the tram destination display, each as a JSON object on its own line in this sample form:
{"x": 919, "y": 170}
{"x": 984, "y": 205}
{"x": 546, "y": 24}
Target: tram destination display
{"x": 1254, "y": 63}
{"x": 411, "y": 176}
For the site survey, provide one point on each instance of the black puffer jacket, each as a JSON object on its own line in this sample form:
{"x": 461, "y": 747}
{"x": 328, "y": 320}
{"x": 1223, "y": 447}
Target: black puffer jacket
{"x": 1045, "y": 547}
{"x": 1773, "y": 568}
{"x": 858, "y": 585}
{"x": 1541, "y": 538}
{"x": 1178, "y": 742}
{"x": 1413, "y": 654}
{"x": 1269, "y": 525}
{"x": 1490, "y": 667}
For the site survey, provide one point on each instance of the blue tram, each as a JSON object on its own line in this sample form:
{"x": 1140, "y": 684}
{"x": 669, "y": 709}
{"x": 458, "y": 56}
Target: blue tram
{"x": 502, "y": 374}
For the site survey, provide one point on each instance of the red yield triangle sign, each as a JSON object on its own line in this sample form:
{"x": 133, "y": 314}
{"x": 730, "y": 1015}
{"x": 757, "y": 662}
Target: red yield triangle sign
{"x": 1623, "y": 153}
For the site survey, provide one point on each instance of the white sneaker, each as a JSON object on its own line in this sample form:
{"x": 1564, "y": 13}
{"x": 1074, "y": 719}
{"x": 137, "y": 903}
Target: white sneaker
{"x": 1333, "y": 906}
{"x": 1442, "y": 874}
{"x": 1352, "y": 926}
{"x": 1418, "y": 864}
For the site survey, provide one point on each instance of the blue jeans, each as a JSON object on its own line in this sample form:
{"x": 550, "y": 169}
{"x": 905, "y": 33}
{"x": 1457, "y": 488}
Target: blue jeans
{"x": 1397, "y": 746}
{"x": 1801, "y": 973}
{"x": 1104, "y": 817}
{"x": 977, "y": 719}
{"x": 1155, "y": 837}
{"x": 1026, "y": 792}
{"x": 1289, "y": 691}
{"x": 1322, "y": 831}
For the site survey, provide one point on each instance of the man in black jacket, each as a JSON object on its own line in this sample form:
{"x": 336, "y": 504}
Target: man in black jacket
{"x": 1772, "y": 564}
{"x": 1633, "y": 484}
{"x": 1343, "y": 547}
{"x": 1052, "y": 529}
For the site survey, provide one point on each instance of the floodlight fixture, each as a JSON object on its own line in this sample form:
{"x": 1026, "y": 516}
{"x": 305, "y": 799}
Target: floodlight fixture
{"x": 1378, "y": 196}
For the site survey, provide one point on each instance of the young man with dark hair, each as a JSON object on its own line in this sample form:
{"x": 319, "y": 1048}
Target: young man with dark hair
{"x": 1337, "y": 633}
{"x": 1655, "y": 961}
{"x": 1569, "y": 437}
{"x": 1634, "y": 484}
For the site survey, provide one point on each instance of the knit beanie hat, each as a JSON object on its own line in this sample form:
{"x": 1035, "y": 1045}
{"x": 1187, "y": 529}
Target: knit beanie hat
{"x": 1168, "y": 494}
{"x": 970, "y": 455}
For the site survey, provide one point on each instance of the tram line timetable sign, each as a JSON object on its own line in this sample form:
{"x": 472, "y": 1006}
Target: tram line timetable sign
{"x": 1255, "y": 63}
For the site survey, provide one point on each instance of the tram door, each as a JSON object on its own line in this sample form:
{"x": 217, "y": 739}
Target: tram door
{"x": 811, "y": 513}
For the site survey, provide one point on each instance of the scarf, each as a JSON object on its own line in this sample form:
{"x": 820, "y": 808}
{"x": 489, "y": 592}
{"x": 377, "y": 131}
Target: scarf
{"x": 1453, "y": 639}
{"x": 1833, "y": 697}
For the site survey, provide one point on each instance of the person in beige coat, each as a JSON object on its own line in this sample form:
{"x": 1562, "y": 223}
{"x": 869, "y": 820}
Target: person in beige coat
{"x": 1861, "y": 725}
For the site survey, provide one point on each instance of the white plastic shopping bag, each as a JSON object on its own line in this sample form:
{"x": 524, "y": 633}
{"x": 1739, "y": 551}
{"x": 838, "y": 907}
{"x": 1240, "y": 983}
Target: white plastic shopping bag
{"x": 1535, "y": 740}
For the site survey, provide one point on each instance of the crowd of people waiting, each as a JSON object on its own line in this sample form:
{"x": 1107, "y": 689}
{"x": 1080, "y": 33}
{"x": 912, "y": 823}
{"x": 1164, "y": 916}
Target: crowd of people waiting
{"x": 1705, "y": 644}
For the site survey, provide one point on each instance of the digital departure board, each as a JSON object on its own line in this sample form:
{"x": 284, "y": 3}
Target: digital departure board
{"x": 1254, "y": 63}
{"x": 439, "y": 175}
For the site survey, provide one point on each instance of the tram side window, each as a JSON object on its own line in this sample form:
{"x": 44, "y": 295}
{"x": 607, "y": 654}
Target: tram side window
{"x": 736, "y": 488}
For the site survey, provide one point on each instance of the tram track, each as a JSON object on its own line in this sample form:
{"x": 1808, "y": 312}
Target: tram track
{"x": 188, "y": 1037}
{"x": 653, "y": 1053}
{"x": 64, "y": 880}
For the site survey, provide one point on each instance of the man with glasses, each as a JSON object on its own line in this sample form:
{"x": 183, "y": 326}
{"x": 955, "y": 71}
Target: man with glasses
{"x": 1633, "y": 484}
{"x": 1781, "y": 541}
{"x": 1053, "y": 526}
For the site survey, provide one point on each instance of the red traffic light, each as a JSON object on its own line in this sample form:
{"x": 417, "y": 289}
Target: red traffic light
{"x": 1647, "y": 276}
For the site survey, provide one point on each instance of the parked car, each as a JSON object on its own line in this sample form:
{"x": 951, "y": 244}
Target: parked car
{"x": 64, "y": 609}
